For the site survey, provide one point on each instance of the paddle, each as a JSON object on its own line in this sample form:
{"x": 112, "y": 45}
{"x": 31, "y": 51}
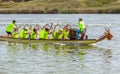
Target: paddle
{"x": 56, "y": 26}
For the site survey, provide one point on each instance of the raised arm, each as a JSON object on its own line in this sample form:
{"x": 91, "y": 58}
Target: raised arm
{"x": 44, "y": 26}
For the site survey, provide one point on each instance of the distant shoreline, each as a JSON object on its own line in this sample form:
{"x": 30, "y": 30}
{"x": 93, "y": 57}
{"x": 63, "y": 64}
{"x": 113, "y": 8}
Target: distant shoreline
{"x": 60, "y": 7}
{"x": 55, "y": 11}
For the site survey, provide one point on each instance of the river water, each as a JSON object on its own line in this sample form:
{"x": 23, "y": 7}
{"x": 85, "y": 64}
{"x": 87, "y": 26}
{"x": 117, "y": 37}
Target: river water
{"x": 52, "y": 58}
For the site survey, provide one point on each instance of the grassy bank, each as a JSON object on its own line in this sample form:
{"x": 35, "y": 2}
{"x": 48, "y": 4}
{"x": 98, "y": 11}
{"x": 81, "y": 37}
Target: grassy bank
{"x": 61, "y": 6}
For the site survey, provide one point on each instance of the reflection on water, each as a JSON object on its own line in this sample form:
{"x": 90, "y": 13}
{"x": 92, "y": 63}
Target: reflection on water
{"x": 102, "y": 58}
{"x": 56, "y": 59}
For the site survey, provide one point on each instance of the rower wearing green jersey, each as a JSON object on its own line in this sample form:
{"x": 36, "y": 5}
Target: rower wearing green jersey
{"x": 81, "y": 28}
{"x": 15, "y": 33}
{"x": 55, "y": 32}
{"x": 58, "y": 34}
{"x": 24, "y": 34}
{"x": 33, "y": 34}
{"x": 61, "y": 33}
{"x": 66, "y": 32}
{"x": 10, "y": 28}
{"x": 45, "y": 31}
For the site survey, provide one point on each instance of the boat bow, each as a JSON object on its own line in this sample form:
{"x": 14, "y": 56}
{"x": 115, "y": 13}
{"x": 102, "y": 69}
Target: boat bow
{"x": 107, "y": 35}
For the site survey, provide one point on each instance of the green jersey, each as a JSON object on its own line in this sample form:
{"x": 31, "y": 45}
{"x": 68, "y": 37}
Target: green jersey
{"x": 10, "y": 27}
{"x": 81, "y": 26}
{"x": 15, "y": 35}
{"x": 33, "y": 35}
{"x": 66, "y": 34}
{"x": 44, "y": 34}
{"x": 60, "y": 36}
{"x": 55, "y": 34}
{"x": 24, "y": 34}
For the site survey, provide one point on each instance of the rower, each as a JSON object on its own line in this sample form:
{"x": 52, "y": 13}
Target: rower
{"x": 15, "y": 33}
{"x": 10, "y": 28}
{"x": 34, "y": 34}
{"x": 81, "y": 28}
{"x": 24, "y": 34}
{"x": 66, "y": 32}
{"x": 45, "y": 32}
{"x": 55, "y": 32}
{"x": 60, "y": 34}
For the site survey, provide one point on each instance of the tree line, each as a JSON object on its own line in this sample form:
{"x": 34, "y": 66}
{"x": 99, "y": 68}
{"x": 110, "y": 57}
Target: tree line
{"x": 14, "y": 0}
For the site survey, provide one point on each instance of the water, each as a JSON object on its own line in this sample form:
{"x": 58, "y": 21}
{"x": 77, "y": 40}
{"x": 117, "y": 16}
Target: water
{"x": 102, "y": 58}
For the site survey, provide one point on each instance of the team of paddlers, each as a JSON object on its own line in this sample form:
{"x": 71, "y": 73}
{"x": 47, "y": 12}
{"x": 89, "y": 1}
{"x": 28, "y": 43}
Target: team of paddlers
{"x": 45, "y": 32}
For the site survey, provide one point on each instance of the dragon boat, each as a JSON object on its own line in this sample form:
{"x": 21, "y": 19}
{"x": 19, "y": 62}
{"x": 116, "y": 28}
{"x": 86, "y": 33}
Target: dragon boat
{"x": 107, "y": 35}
